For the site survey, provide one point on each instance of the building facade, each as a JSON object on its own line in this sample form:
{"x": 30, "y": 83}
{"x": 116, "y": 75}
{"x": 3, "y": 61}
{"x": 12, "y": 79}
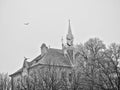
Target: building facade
{"x": 61, "y": 59}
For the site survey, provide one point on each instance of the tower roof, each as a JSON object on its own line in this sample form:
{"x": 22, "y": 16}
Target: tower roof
{"x": 69, "y": 35}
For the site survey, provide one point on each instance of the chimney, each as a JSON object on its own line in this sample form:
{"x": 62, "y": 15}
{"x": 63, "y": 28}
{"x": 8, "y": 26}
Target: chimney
{"x": 44, "y": 49}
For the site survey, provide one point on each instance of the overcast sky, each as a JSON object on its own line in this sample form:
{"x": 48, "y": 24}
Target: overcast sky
{"x": 48, "y": 22}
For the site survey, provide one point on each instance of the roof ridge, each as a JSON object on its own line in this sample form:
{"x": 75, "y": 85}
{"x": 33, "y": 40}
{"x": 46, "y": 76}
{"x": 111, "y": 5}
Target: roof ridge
{"x": 56, "y": 50}
{"x": 35, "y": 58}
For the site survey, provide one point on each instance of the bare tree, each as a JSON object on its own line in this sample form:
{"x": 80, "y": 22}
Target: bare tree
{"x": 46, "y": 78}
{"x": 96, "y": 68}
{"x": 89, "y": 54}
{"x": 4, "y": 82}
{"x": 110, "y": 66}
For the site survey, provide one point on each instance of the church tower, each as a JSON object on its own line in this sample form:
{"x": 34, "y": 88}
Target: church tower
{"x": 69, "y": 48}
{"x": 69, "y": 36}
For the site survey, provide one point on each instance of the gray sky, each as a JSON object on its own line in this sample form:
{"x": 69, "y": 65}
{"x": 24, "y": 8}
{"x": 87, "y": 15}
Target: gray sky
{"x": 48, "y": 22}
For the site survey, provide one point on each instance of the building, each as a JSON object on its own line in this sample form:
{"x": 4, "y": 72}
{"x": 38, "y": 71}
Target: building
{"x": 61, "y": 58}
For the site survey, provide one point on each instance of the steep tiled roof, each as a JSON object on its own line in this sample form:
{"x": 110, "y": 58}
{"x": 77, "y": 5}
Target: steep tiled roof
{"x": 29, "y": 64}
{"x": 55, "y": 57}
{"x": 52, "y": 57}
{"x": 36, "y": 59}
{"x": 18, "y": 71}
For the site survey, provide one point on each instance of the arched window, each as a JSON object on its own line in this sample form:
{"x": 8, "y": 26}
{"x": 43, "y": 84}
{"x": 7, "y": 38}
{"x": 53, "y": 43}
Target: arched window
{"x": 70, "y": 77}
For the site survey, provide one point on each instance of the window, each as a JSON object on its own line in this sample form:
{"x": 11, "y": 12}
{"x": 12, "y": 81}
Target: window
{"x": 70, "y": 77}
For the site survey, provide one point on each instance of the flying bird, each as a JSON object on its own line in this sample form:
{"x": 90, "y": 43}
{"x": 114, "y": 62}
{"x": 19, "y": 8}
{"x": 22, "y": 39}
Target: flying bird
{"x": 26, "y": 23}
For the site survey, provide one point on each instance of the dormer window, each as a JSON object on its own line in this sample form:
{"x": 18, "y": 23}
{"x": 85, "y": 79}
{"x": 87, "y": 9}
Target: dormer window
{"x": 70, "y": 77}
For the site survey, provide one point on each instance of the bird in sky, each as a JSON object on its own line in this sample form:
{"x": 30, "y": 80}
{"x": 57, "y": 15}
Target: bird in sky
{"x": 26, "y": 23}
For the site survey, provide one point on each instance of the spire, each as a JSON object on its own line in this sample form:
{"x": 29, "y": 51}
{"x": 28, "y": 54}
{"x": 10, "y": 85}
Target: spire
{"x": 69, "y": 28}
{"x": 69, "y": 36}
